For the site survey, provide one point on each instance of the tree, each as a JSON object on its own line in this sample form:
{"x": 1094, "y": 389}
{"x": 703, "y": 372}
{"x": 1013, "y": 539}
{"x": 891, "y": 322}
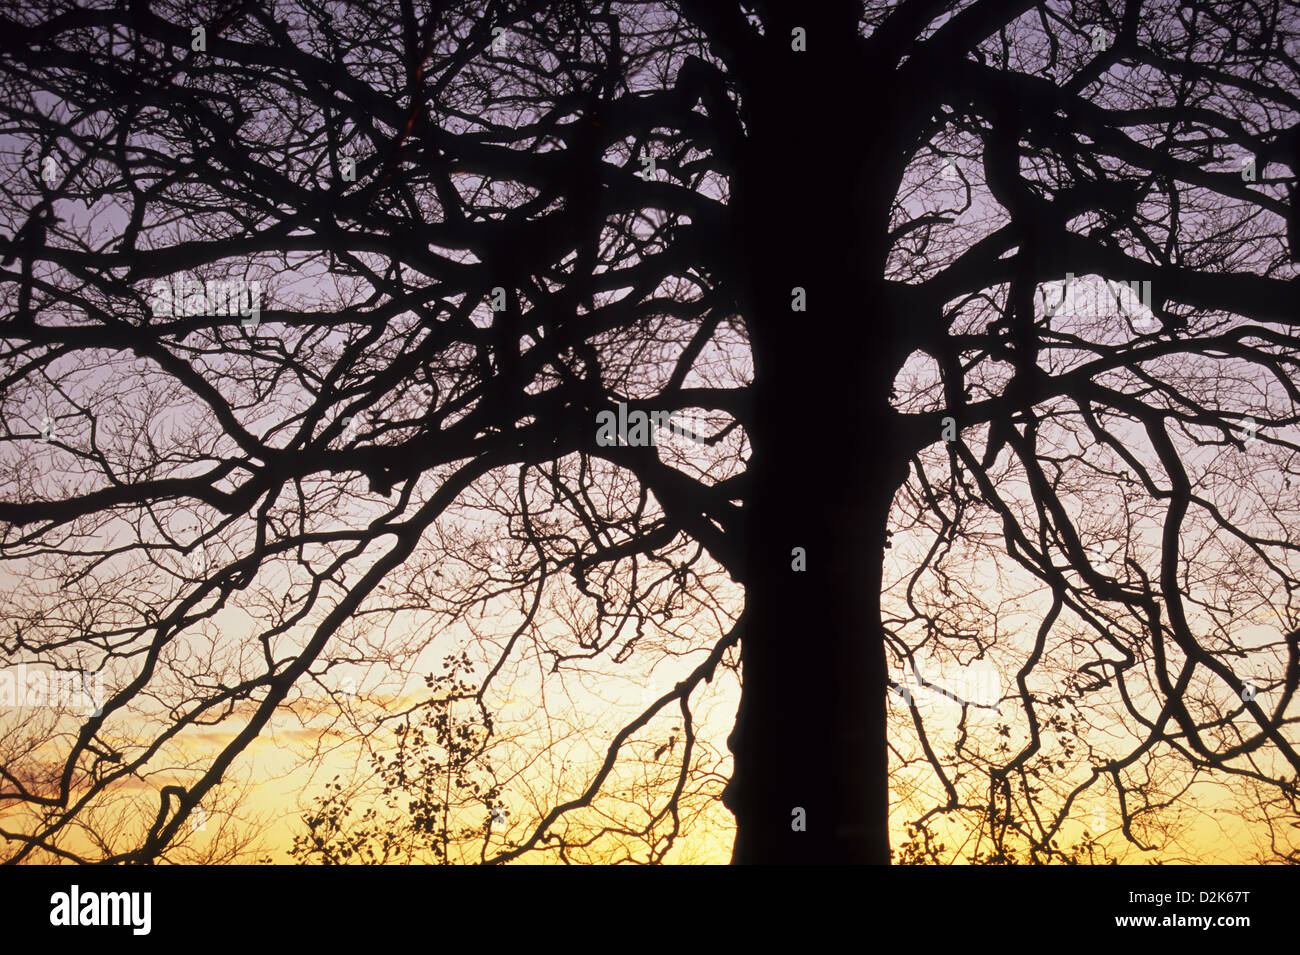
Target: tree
{"x": 848, "y": 238}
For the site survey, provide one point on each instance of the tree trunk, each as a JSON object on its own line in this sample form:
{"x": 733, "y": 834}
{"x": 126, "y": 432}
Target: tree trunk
{"x": 810, "y": 782}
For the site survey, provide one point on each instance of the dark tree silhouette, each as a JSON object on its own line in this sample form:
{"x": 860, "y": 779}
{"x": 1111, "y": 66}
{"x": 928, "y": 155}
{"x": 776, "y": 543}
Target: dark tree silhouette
{"x": 456, "y": 237}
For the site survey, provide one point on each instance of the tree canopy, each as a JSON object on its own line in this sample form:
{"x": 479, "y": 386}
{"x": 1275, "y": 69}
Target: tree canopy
{"x": 651, "y": 431}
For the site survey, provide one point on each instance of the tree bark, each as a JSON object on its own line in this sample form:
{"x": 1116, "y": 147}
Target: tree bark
{"x": 810, "y": 741}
